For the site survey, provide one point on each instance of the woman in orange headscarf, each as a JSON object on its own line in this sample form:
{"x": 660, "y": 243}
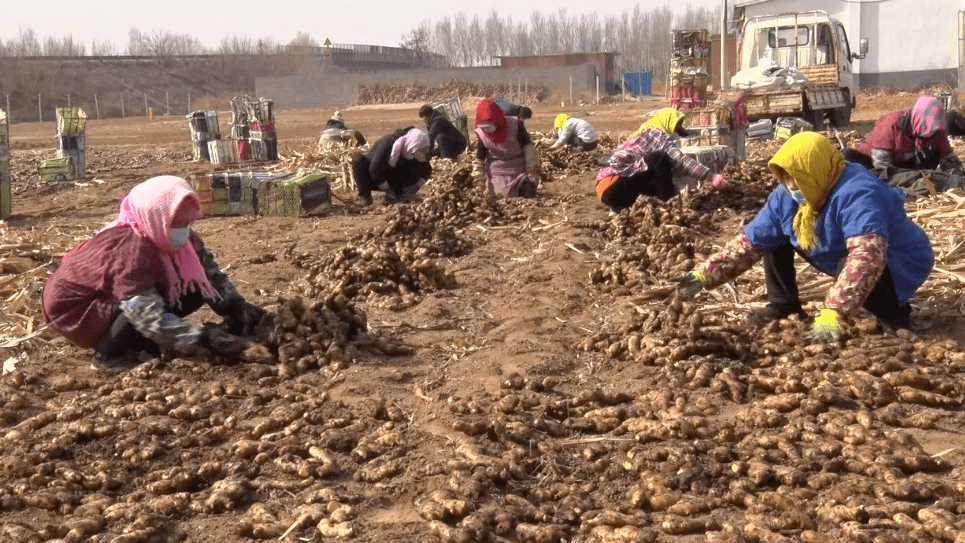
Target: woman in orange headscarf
{"x": 845, "y": 223}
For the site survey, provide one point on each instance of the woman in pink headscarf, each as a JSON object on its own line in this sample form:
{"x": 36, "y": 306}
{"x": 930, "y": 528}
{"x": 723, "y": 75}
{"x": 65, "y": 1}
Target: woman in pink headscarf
{"x": 397, "y": 164}
{"x": 913, "y": 139}
{"x": 125, "y": 290}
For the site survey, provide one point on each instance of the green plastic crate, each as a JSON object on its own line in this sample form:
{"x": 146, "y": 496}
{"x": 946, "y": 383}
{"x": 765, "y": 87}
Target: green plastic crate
{"x": 71, "y": 120}
{"x": 291, "y": 196}
{"x": 55, "y": 169}
{"x": 5, "y": 195}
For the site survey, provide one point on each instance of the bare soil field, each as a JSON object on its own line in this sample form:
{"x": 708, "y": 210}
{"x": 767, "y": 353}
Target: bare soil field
{"x": 526, "y": 373}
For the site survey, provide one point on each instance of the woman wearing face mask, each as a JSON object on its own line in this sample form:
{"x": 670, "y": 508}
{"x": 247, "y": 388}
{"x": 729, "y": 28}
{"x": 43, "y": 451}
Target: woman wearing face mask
{"x": 913, "y": 139}
{"x": 505, "y": 156}
{"x": 398, "y": 164}
{"x": 845, "y": 223}
{"x": 125, "y": 290}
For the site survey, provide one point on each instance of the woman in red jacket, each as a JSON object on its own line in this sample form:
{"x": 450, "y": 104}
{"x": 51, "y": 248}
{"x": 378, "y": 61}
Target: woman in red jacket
{"x": 125, "y": 290}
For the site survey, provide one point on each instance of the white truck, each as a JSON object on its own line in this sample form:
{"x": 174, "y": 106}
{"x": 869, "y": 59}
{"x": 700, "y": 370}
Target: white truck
{"x": 817, "y": 45}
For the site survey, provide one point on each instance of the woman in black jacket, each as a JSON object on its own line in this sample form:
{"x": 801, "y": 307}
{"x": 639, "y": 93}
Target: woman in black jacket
{"x": 397, "y": 164}
{"x": 445, "y": 140}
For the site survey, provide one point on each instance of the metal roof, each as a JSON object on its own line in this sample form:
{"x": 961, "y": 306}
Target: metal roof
{"x": 742, "y": 3}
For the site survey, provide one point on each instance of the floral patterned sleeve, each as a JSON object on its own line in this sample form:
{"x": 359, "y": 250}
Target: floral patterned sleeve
{"x": 867, "y": 257}
{"x": 735, "y": 258}
{"x": 149, "y": 315}
{"x": 230, "y": 298}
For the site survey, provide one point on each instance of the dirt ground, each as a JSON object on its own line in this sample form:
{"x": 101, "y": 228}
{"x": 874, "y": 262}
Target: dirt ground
{"x": 523, "y": 413}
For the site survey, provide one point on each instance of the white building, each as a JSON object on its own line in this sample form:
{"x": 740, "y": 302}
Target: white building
{"x": 910, "y": 41}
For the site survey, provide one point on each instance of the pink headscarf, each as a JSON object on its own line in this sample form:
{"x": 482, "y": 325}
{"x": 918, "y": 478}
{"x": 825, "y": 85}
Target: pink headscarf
{"x": 150, "y": 209}
{"x": 927, "y": 117}
{"x": 413, "y": 141}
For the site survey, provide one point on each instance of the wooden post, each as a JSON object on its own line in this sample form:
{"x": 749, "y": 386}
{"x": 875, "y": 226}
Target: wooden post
{"x": 40, "y": 107}
{"x": 145, "y": 103}
{"x": 68, "y": 99}
{"x": 122, "y": 105}
{"x": 598, "y": 88}
{"x": 167, "y": 102}
{"x": 189, "y": 103}
{"x": 571, "y": 91}
{"x": 8, "y": 108}
{"x": 97, "y": 108}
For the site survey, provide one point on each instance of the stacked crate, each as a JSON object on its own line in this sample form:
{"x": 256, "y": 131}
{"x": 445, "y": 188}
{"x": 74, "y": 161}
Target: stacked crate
{"x": 263, "y": 193}
{"x": 688, "y": 68}
{"x": 239, "y": 126}
{"x": 5, "y": 195}
{"x": 71, "y": 139}
{"x": 263, "y": 142}
{"x": 204, "y": 129}
{"x": 717, "y": 133}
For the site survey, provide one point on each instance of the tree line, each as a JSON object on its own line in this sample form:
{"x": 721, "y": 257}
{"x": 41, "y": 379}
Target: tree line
{"x": 158, "y": 43}
{"x": 641, "y": 36}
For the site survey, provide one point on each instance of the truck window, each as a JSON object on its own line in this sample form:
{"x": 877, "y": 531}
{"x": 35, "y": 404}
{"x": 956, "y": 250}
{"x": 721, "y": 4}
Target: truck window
{"x": 843, "y": 38}
{"x": 784, "y": 37}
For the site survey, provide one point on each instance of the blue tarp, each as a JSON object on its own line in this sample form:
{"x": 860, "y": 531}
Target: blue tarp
{"x": 638, "y": 82}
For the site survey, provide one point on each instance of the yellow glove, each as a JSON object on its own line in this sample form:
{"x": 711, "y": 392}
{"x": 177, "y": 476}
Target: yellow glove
{"x": 691, "y": 284}
{"x": 827, "y": 325}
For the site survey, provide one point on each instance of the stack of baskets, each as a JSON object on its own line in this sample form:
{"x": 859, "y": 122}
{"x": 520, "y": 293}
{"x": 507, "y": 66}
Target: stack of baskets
{"x": 72, "y": 139}
{"x": 204, "y": 129}
{"x": 688, "y": 68}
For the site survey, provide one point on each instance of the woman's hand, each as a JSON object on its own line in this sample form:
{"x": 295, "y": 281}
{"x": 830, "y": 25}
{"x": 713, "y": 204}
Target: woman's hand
{"x": 827, "y": 325}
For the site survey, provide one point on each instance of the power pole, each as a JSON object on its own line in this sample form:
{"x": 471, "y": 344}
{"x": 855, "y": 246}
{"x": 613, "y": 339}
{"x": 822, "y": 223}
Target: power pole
{"x": 723, "y": 45}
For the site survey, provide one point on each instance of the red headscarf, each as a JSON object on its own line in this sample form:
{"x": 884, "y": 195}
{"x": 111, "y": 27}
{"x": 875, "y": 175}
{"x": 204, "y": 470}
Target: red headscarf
{"x": 150, "y": 209}
{"x": 488, "y": 112}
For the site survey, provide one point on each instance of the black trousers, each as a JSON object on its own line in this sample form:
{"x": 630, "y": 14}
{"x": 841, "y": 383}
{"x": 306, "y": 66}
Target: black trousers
{"x": 856, "y": 156}
{"x": 449, "y": 146}
{"x": 657, "y": 181}
{"x": 122, "y": 336}
{"x": 782, "y": 292}
{"x": 580, "y": 144}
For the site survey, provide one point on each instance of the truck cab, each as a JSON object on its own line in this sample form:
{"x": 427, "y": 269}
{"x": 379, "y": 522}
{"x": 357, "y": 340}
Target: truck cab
{"x": 815, "y": 44}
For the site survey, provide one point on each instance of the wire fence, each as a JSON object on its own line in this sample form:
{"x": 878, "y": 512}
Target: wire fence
{"x": 112, "y": 105}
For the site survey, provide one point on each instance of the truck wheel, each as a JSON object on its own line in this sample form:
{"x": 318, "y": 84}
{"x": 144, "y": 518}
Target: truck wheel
{"x": 815, "y": 117}
{"x": 841, "y": 117}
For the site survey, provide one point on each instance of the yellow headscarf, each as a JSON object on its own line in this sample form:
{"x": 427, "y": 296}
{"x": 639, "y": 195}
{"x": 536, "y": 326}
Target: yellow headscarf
{"x": 665, "y": 119}
{"x": 560, "y": 121}
{"x": 816, "y": 166}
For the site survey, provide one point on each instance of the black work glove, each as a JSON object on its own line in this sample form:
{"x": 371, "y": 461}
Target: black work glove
{"x": 222, "y": 344}
{"x": 244, "y": 319}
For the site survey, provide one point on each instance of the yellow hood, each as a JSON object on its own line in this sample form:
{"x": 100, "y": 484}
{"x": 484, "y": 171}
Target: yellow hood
{"x": 560, "y": 121}
{"x": 816, "y": 166}
{"x": 666, "y": 119}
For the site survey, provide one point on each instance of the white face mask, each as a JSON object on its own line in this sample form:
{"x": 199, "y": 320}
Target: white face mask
{"x": 179, "y": 236}
{"x": 488, "y": 128}
{"x": 797, "y": 196}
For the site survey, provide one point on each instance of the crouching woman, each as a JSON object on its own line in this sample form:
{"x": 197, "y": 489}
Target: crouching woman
{"x": 125, "y": 291}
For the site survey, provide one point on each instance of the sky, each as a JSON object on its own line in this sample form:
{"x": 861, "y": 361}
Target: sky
{"x": 373, "y": 22}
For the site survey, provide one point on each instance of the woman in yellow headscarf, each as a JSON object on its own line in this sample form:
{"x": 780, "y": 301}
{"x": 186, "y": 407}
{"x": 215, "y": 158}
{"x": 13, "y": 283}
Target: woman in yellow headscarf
{"x": 844, "y": 222}
{"x": 575, "y": 133}
{"x": 644, "y": 164}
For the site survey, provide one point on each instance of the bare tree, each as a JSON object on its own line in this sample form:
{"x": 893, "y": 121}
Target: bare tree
{"x": 104, "y": 48}
{"x": 25, "y": 44}
{"x": 303, "y": 39}
{"x": 418, "y": 41}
